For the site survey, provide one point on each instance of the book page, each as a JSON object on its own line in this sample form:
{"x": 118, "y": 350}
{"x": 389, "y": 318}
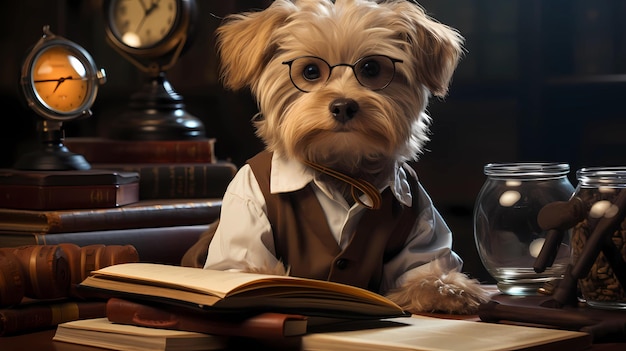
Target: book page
{"x": 225, "y": 283}
{"x": 218, "y": 283}
{"x": 430, "y": 334}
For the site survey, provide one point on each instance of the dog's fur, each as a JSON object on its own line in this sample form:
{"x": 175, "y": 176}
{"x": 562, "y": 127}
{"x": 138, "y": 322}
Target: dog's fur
{"x": 390, "y": 125}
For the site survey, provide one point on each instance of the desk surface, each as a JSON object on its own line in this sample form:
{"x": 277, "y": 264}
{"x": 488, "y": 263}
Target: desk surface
{"x": 42, "y": 341}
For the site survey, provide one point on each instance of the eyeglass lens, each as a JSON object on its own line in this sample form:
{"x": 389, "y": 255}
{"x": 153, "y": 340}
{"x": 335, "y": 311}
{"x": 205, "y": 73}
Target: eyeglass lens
{"x": 309, "y": 73}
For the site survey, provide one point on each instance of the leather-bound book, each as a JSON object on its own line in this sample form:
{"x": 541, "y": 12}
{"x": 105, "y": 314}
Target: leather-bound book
{"x": 61, "y": 190}
{"x": 161, "y": 244}
{"x": 39, "y": 315}
{"x": 46, "y": 271}
{"x": 142, "y": 214}
{"x": 12, "y": 286}
{"x": 88, "y": 258}
{"x": 260, "y": 326}
{"x": 102, "y": 150}
{"x": 178, "y": 180}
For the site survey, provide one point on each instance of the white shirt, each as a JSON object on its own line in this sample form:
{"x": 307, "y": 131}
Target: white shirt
{"x": 244, "y": 236}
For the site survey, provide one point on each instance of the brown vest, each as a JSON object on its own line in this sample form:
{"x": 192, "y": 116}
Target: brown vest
{"x": 303, "y": 240}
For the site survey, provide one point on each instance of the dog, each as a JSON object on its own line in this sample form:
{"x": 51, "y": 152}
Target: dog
{"x": 342, "y": 89}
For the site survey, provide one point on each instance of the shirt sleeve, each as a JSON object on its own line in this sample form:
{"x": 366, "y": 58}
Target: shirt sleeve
{"x": 244, "y": 237}
{"x": 430, "y": 240}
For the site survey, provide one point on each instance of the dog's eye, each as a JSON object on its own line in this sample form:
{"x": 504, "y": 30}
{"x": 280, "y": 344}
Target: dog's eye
{"x": 370, "y": 68}
{"x": 311, "y": 72}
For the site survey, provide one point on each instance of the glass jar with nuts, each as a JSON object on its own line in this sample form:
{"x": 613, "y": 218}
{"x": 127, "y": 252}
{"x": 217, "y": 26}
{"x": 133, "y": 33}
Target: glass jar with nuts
{"x": 599, "y": 235}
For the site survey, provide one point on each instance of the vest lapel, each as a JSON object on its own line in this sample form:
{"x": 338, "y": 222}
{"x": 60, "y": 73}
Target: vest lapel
{"x": 364, "y": 256}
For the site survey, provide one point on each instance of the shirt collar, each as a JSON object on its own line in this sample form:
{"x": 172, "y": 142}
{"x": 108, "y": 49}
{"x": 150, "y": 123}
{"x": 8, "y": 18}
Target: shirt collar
{"x": 289, "y": 175}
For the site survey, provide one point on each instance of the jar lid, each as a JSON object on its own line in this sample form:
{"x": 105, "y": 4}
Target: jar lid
{"x": 614, "y": 176}
{"x": 527, "y": 169}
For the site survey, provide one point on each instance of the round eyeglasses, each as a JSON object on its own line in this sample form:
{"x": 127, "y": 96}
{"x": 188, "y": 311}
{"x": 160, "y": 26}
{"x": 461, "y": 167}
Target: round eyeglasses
{"x": 310, "y": 73}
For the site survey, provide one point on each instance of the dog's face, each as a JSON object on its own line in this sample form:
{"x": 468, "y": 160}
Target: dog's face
{"x": 342, "y": 84}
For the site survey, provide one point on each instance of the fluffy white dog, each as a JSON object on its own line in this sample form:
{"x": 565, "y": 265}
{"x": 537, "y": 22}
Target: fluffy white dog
{"x": 342, "y": 88}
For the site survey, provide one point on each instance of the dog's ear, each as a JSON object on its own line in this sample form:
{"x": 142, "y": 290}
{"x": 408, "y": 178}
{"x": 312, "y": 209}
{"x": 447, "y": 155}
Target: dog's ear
{"x": 435, "y": 47}
{"x": 244, "y": 43}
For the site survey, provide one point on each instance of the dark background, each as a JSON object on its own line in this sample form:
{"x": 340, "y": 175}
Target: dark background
{"x": 541, "y": 81}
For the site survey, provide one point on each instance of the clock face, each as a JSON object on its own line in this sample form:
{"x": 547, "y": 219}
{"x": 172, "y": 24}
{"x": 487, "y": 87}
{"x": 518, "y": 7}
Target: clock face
{"x": 60, "y": 79}
{"x": 142, "y": 23}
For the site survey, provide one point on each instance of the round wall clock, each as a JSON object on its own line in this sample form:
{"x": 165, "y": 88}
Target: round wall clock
{"x": 59, "y": 78}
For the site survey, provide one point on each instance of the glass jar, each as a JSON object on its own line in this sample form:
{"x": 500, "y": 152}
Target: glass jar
{"x": 506, "y": 232}
{"x": 598, "y": 238}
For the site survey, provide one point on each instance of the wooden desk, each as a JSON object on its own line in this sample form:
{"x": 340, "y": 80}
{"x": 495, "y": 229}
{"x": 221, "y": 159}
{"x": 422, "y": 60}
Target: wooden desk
{"x": 42, "y": 341}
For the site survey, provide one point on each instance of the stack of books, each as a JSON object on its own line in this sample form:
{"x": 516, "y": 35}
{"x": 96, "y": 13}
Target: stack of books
{"x": 205, "y": 309}
{"x": 168, "y": 169}
{"x": 157, "y": 195}
{"x": 39, "y": 285}
{"x": 161, "y": 230}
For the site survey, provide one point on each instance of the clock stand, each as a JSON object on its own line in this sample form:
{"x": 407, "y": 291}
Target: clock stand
{"x": 152, "y": 36}
{"x": 59, "y": 82}
{"x": 155, "y": 112}
{"x": 50, "y": 153}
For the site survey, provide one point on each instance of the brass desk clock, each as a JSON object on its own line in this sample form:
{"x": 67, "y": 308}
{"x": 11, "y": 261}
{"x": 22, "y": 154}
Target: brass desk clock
{"x": 152, "y": 34}
{"x": 59, "y": 81}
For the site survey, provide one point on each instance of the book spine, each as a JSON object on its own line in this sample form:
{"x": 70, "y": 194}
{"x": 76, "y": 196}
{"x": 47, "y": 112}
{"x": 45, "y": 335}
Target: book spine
{"x": 37, "y": 316}
{"x": 54, "y": 271}
{"x": 179, "y": 181}
{"x": 46, "y": 270}
{"x": 67, "y": 197}
{"x": 139, "y": 215}
{"x": 12, "y": 286}
{"x": 165, "y": 245}
{"x": 263, "y": 326}
{"x": 83, "y": 260}
{"x": 146, "y": 151}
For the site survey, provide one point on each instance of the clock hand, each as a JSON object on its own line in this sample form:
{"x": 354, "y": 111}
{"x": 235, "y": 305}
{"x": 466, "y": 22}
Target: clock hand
{"x": 153, "y": 6}
{"x": 53, "y": 80}
{"x": 59, "y": 81}
{"x": 146, "y": 13}
{"x": 143, "y": 5}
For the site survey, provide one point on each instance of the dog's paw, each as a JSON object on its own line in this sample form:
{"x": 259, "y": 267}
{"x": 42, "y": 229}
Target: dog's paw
{"x": 436, "y": 291}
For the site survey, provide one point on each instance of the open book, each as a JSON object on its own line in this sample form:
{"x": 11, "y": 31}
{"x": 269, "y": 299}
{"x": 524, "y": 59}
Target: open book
{"x": 420, "y": 333}
{"x": 235, "y": 291}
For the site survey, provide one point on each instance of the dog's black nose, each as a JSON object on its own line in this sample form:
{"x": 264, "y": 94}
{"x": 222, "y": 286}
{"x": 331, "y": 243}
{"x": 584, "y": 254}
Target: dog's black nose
{"x": 344, "y": 109}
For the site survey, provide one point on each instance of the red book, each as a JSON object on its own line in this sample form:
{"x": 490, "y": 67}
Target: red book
{"x": 260, "y": 326}
{"x": 102, "y": 150}
{"x": 62, "y": 190}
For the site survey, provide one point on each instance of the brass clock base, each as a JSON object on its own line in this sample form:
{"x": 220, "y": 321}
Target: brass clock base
{"x": 52, "y": 157}
{"x": 156, "y": 112}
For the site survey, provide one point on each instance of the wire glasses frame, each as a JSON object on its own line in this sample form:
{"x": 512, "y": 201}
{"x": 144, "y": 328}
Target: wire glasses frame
{"x": 309, "y": 73}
